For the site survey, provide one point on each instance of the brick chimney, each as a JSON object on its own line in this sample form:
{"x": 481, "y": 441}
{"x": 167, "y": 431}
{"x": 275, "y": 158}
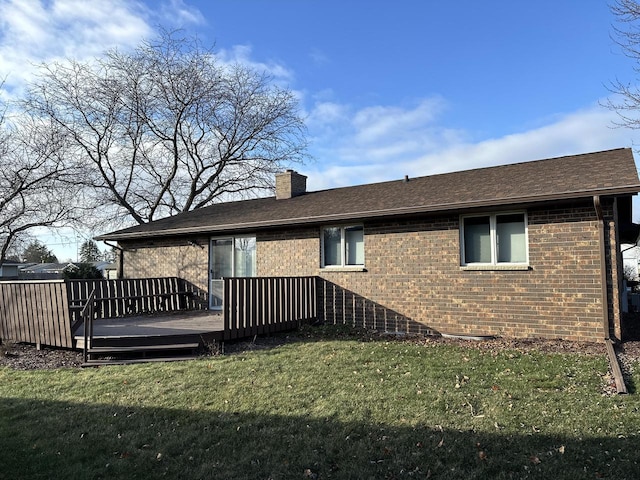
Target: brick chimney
{"x": 290, "y": 184}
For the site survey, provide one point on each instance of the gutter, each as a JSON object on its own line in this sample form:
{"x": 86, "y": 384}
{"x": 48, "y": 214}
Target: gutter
{"x": 611, "y": 354}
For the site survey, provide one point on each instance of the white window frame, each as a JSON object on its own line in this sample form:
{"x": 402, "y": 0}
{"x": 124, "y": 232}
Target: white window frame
{"x": 343, "y": 247}
{"x": 233, "y": 239}
{"x": 494, "y": 246}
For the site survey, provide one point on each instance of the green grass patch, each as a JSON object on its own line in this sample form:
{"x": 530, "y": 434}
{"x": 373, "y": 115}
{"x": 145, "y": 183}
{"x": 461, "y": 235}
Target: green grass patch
{"x": 334, "y": 408}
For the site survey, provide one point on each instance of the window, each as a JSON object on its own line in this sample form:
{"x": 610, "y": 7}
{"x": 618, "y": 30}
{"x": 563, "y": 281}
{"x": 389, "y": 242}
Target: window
{"x": 342, "y": 246}
{"x": 244, "y": 254}
{"x": 229, "y": 257}
{"x": 494, "y": 239}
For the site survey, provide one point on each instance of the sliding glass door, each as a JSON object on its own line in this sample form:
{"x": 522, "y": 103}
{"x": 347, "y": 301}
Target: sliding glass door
{"x": 229, "y": 257}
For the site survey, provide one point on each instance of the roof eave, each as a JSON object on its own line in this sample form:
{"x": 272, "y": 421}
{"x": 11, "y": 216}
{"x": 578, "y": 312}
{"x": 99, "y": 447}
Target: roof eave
{"x": 301, "y": 221}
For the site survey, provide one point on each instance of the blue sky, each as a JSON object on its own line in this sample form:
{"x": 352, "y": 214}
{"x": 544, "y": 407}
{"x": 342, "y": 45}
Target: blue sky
{"x": 387, "y": 88}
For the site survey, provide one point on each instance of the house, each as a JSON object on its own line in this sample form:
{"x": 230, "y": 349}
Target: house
{"x": 44, "y": 271}
{"x": 523, "y": 250}
{"x": 50, "y": 271}
{"x": 10, "y": 270}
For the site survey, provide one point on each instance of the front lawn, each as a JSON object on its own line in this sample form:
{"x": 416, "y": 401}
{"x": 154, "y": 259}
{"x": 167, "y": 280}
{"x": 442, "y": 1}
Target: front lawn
{"x": 334, "y": 407}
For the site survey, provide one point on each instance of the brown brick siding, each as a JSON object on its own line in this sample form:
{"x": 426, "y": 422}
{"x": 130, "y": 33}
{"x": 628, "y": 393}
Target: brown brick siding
{"x": 413, "y": 280}
{"x": 288, "y": 253}
{"x": 184, "y": 258}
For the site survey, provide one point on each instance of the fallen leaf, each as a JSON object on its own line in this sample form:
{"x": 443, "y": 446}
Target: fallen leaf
{"x": 309, "y": 474}
{"x": 535, "y": 460}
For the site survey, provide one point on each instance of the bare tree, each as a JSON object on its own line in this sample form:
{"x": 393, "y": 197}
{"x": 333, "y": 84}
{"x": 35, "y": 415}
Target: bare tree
{"x": 31, "y": 172}
{"x": 626, "y": 34}
{"x": 168, "y": 128}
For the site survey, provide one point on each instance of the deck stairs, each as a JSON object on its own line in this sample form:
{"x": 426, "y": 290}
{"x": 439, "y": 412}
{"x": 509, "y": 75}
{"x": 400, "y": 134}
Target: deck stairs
{"x": 139, "y": 349}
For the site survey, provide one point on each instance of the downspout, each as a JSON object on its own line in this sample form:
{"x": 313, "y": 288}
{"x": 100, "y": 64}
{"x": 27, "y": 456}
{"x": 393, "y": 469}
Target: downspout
{"x": 603, "y": 266}
{"x": 613, "y": 359}
{"x": 121, "y": 258}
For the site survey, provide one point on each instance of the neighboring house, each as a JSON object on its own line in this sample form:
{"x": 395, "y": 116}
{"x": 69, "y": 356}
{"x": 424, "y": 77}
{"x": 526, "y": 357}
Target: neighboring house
{"x": 106, "y": 268}
{"x": 631, "y": 261}
{"x": 109, "y": 271}
{"x": 524, "y": 250}
{"x": 44, "y": 271}
{"x": 49, "y": 271}
{"x": 9, "y": 270}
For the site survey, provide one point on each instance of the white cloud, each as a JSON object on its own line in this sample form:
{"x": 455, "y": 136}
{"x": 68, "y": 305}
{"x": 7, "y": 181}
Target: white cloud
{"x": 242, "y": 54}
{"x": 386, "y": 143}
{"x": 179, "y": 14}
{"x": 377, "y": 123}
{"x": 378, "y": 135}
{"x": 584, "y": 131}
{"x": 36, "y": 31}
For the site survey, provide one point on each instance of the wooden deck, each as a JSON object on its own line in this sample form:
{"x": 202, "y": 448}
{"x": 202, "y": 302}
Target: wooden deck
{"x": 181, "y": 324}
{"x": 150, "y": 315}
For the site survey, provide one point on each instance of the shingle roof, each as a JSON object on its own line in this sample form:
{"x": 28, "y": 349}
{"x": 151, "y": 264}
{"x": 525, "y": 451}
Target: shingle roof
{"x": 610, "y": 172}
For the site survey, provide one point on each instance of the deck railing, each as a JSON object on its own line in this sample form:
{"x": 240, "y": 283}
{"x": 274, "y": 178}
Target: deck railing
{"x": 49, "y": 312}
{"x": 262, "y": 305}
{"x": 35, "y": 312}
{"x": 122, "y": 297}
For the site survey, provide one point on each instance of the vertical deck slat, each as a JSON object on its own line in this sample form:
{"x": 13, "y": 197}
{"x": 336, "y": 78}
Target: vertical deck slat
{"x": 29, "y": 319}
{"x": 54, "y": 328}
{"x": 44, "y": 314}
{"x": 11, "y": 319}
{"x": 65, "y": 314}
{"x": 15, "y": 311}
{"x": 4, "y": 331}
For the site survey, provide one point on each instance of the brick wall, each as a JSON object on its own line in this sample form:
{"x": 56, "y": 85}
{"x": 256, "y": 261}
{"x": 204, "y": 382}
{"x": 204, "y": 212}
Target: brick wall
{"x": 413, "y": 280}
{"x": 184, "y": 258}
{"x": 290, "y": 184}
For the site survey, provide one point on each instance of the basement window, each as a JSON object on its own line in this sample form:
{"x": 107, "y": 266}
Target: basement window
{"x": 494, "y": 239}
{"x": 343, "y": 246}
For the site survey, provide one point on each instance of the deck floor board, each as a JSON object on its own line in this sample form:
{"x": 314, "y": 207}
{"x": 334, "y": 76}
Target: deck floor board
{"x": 159, "y": 324}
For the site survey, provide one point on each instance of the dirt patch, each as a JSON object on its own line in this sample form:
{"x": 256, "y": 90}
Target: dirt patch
{"x": 20, "y": 356}
{"x": 28, "y": 357}
{"x": 525, "y": 345}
